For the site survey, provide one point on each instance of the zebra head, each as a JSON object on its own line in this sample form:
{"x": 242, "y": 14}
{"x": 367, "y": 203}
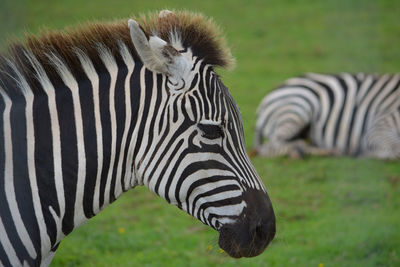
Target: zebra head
{"x": 197, "y": 158}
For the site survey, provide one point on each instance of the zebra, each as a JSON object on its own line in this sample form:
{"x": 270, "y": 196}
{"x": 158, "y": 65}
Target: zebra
{"x": 90, "y": 112}
{"x": 326, "y": 114}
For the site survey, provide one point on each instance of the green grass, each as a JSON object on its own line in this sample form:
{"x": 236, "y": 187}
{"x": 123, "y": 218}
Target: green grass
{"x": 334, "y": 211}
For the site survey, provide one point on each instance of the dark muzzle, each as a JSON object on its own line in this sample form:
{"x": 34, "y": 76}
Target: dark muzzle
{"x": 253, "y": 231}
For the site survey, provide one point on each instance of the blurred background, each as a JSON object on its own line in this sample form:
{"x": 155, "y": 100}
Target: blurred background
{"x": 330, "y": 211}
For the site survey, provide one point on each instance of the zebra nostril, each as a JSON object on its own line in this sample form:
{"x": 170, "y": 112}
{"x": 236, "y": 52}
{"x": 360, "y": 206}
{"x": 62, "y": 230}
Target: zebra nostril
{"x": 264, "y": 232}
{"x": 259, "y": 232}
{"x": 217, "y": 224}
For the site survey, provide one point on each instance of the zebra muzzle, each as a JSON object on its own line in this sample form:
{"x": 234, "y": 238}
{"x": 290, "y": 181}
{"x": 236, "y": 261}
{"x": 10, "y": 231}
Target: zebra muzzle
{"x": 253, "y": 231}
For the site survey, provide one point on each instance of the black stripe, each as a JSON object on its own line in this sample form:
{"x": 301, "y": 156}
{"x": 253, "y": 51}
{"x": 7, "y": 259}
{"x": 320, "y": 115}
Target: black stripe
{"x": 195, "y": 166}
{"x": 175, "y": 111}
{"x": 161, "y": 121}
{"x": 178, "y": 132}
{"x": 356, "y": 111}
{"x": 220, "y": 189}
{"x": 135, "y": 103}
{"x": 331, "y": 98}
{"x": 369, "y": 105}
{"x": 4, "y": 261}
{"x": 194, "y": 81}
{"x": 21, "y": 173}
{"x": 69, "y": 154}
{"x": 5, "y": 212}
{"x": 89, "y": 136}
{"x": 119, "y": 104}
{"x": 219, "y": 203}
{"x": 392, "y": 95}
{"x": 156, "y": 151}
{"x": 200, "y": 182}
{"x": 105, "y": 117}
{"x": 339, "y": 120}
{"x": 203, "y": 89}
{"x": 146, "y": 111}
{"x": 192, "y": 101}
{"x": 3, "y": 203}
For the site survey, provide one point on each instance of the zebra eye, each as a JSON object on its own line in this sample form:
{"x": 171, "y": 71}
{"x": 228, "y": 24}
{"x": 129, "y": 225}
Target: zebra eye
{"x": 211, "y": 131}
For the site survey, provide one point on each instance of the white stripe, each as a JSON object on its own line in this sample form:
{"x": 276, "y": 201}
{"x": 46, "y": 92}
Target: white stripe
{"x": 396, "y": 117}
{"x": 158, "y": 169}
{"x": 348, "y": 110}
{"x": 163, "y": 95}
{"x": 378, "y": 100}
{"x": 152, "y": 107}
{"x": 202, "y": 100}
{"x": 316, "y": 131}
{"x": 92, "y": 75}
{"x": 210, "y": 122}
{"x": 207, "y": 99}
{"x": 241, "y": 163}
{"x": 143, "y": 144}
{"x": 9, "y": 164}
{"x": 58, "y": 175}
{"x": 201, "y": 174}
{"x": 137, "y": 178}
{"x": 225, "y": 210}
{"x": 229, "y": 210}
{"x": 365, "y": 85}
{"x": 296, "y": 95}
{"x": 7, "y": 246}
{"x": 183, "y": 166}
{"x": 335, "y": 110}
{"x": 361, "y": 112}
{"x": 112, "y": 68}
{"x": 126, "y": 56}
{"x": 392, "y": 101}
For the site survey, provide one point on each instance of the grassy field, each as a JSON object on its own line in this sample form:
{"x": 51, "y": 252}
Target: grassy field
{"x": 330, "y": 211}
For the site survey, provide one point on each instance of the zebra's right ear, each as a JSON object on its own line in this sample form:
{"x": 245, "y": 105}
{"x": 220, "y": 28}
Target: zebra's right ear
{"x": 158, "y": 55}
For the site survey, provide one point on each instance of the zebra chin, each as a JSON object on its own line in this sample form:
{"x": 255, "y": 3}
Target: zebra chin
{"x": 253, "y": 231}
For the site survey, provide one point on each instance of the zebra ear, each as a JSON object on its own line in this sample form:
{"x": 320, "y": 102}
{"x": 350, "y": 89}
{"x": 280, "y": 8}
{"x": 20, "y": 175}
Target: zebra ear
{"x": 164, "y": 13}
{"x": 158, "y": 55}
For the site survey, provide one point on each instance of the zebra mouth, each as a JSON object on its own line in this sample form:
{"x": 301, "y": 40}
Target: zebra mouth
{"x": 254, "y": 230}
{"x": 240, "y": 242}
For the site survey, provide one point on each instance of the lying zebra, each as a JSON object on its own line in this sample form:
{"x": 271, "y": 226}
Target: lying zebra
{"x": 344, "y": 114}
{"x": 91, "y": 113}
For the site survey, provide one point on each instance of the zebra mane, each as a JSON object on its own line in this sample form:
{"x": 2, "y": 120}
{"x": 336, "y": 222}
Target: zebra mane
{"x": 192, "y": 30}
{"x": 195, "y": 31}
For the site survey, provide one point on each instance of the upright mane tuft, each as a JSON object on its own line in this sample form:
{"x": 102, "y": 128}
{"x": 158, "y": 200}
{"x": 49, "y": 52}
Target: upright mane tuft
{"x": 195, "y": 31}
{"x": 199, "y": 33}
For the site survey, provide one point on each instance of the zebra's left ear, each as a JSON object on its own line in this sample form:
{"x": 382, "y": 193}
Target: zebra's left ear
{"x": 158, "y": 55}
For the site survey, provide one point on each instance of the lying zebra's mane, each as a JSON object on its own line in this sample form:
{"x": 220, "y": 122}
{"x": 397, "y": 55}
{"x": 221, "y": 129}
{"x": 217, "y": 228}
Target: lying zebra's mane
{"x": 195, "y": 31}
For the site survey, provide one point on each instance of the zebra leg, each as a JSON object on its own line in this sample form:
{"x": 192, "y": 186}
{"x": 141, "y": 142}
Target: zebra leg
{"x": 300, "y": 149}
{"x": 273, "y": 149}
{"x": 320, "y": 151}
{"x": 278, "y": 136}
{"x": 293, "y": 149}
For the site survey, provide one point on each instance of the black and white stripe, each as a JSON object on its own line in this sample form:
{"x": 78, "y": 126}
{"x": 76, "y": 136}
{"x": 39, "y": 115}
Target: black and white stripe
{"x": 339, "y": 114}
{"x": 70, "y": 144}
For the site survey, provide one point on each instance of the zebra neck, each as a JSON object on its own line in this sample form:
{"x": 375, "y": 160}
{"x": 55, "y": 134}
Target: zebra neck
{"x": 97, "y": 141}
{"x": 78, "y": 139}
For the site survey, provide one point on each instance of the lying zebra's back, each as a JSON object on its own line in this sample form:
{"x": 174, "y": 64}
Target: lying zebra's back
{"x": 340, "y": 112}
